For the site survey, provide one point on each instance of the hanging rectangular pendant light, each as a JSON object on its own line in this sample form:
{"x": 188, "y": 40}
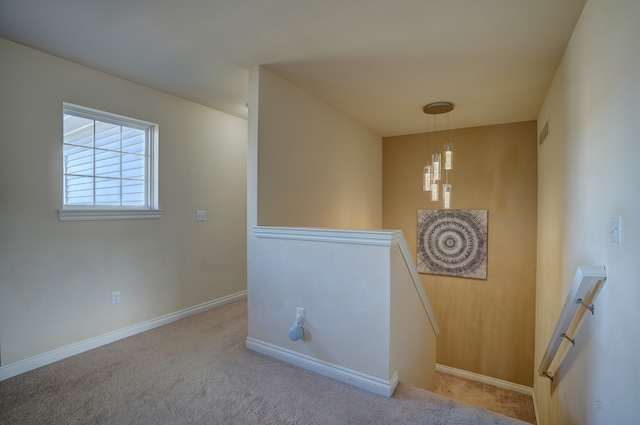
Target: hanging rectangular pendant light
{"x": 426, "y": 182}
{"x": 435, "y": 158}
{"x": 448, "y": 157}
{"x": 433, "y": 173}
{"x": 446, "y": 196}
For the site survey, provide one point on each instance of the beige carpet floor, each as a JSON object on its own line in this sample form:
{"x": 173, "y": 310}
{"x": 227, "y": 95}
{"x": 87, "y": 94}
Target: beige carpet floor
{"x": 499, "y": 400}
{"x": 198, "y": 371}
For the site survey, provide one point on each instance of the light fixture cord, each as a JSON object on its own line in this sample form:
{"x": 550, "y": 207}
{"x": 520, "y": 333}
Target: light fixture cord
{"x": 428, "y": 152}
{"x": 446, "y": 174}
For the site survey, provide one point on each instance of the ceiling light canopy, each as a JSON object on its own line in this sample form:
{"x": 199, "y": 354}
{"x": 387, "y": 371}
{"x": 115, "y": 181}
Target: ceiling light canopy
{"x": 436, "y": 108}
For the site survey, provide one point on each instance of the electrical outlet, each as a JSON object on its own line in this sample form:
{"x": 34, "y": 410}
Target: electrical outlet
{"x": 115, "y": 297}
{"x": 201, "y": 215}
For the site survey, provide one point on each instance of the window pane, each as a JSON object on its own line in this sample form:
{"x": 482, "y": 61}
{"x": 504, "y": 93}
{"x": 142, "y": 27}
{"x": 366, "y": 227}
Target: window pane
{"x": 107, "y": 136}
{"x": 78, "y": 161}
{"x": 73, "y": 150}
{"x": 133, "y": 192}
{"x": 104, "y": 160}
{"x": 107, "y": 191}
{"x": 133, "y": 167}
{"x": 77, "y": 130}
{"x": 78, "y": 190}
{"x": 133, "y": 140}
{"x": 107, "y": 163}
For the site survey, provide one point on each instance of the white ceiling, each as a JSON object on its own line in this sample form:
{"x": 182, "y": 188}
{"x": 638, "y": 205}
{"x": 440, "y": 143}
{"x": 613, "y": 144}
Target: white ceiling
{"x": 379, "y": 61}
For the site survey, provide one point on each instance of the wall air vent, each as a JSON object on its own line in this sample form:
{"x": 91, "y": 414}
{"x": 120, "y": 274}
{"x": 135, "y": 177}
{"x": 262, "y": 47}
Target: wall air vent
{"x": 544, "y": 133}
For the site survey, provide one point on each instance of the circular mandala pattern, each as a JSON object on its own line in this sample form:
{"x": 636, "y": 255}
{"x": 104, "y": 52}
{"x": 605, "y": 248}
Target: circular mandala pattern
{"x": 452, "y": 242}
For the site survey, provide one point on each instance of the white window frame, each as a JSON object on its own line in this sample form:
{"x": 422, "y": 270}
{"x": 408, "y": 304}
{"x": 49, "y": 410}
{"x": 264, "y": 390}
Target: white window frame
{"x": 151, "y": 208}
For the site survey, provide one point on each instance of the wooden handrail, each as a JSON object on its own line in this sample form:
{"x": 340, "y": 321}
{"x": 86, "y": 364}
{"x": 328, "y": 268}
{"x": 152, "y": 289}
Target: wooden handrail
{"x": 584, "y": 288}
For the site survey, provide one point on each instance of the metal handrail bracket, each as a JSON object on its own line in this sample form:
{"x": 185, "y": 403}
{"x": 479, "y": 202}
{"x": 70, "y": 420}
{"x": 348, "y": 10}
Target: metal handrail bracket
{"x": 585, "y": 285}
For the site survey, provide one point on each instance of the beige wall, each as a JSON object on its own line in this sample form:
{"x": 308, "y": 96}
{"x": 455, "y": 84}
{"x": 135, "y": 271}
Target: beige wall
{"x": 311, "y": 166}
{"x": 487, "y": 326}
{"x": 588, "y": 173}
{"x": 413, "y": 337}
{"x": 56, "y": 278}
{"x": 316, "y": 166}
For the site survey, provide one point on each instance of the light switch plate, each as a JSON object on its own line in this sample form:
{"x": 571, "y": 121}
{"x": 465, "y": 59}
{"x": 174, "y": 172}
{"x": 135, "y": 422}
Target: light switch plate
{"x": 616, "y": 230}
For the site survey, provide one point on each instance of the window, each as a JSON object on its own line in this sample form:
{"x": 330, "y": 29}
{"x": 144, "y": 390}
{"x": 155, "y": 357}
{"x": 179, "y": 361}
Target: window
{"x": 109, "y": 166}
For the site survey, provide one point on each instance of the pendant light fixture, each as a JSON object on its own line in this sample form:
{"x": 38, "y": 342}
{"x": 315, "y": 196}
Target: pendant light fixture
{"x": 440, "y": 164}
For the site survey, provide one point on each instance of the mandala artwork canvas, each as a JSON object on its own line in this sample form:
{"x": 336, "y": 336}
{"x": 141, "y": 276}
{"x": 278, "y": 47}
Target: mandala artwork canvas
{"x": 453, "y": 243}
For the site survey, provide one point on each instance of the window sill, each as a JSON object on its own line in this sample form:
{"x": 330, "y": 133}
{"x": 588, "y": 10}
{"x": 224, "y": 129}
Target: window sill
{"x": 108, "y": 214}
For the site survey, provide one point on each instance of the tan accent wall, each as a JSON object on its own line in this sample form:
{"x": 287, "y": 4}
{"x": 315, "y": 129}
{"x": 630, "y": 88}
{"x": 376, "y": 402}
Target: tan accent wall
{"x": 487, "y": 326}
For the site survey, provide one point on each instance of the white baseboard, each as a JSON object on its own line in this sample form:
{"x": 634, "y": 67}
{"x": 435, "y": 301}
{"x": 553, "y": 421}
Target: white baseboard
{"x": 22, "y": 366}
{"x": 506, "y": 385}
{"x": 535, "y": 406}
{"x": 364, "y": 381}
